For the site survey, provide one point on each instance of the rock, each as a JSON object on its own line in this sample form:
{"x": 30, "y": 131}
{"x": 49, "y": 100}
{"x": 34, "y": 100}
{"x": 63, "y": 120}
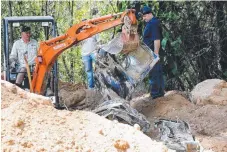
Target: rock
{"x": 101, "y": 132}
{"x": 211, "y": 91}
{"x": 137, "y": 127}
{"x": 121, "y": 144}
{"x": 19, "y": 123}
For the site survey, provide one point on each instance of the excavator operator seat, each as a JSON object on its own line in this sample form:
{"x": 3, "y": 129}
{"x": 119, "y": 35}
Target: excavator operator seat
{"x": 41, "y": 26}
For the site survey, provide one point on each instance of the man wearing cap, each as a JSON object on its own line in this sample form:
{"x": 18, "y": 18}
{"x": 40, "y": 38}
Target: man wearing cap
{"x": 23, "y": 47}
{"x": 152, "y": 38}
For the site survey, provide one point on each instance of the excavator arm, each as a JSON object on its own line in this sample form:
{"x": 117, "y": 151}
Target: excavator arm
{"x": 49, "y": 50}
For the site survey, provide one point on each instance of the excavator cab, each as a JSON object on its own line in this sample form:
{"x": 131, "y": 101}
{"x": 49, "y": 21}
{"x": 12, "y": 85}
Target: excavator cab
{"x": 43, "y": 28}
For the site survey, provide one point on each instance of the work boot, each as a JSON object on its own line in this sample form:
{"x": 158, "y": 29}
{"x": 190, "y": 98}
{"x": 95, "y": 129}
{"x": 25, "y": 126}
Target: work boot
{"x": 157, "y": 95}
{"x": 49, "y": 92}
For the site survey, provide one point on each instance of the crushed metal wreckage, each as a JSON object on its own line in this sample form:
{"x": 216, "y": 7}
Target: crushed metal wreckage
{"x": 119, "y": 109}
{"x": 119, "y": 75}
{"x": 177, "y": 135}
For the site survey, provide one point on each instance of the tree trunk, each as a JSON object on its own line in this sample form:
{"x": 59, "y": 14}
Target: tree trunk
{"x": 10, "y": 27}
{"x": 221, "y": 24}
{"x": 72, "y": 61}
{"x": 46, "y": 8}
{"x": 69, "y": 77}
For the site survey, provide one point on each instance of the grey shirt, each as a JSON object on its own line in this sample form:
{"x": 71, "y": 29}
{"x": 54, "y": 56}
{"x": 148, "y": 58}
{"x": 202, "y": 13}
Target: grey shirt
{"x": 90, "y": 45}
{"x": 20, "y": 49}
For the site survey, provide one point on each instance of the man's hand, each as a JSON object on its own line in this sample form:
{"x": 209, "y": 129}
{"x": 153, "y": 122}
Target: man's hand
{"x": 156, "y": 55}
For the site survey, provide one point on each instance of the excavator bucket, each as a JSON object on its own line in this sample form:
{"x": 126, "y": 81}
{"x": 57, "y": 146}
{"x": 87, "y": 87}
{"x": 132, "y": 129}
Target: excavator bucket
{"x": 130, "y": 43}
{"x": 122, "y": 43}
{"x": 129, "y": 36}
{"x": 126, "y": 41}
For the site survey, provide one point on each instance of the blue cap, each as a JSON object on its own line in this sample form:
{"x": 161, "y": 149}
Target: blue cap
{"x": 146, "y": 10}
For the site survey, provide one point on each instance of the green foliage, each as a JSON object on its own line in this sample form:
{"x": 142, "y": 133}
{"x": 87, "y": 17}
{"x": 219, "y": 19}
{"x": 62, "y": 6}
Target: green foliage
{"x": 66, "y": 13}
{"x": 225, "y": 74}
{"x": 170, "y": 16}
{"x": 175, "y": 69}
{"x": 164, "y": 42}
{"x": 176, "y": 45}
{"x": 188, "y": 28}
{"x": 165, "y": 39}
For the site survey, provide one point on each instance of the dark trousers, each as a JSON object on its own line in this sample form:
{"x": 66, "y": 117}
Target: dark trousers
{"x": 156, "y": 81}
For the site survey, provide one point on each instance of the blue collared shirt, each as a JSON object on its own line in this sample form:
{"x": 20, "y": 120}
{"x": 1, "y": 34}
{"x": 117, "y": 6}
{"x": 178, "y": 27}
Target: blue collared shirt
{"x": 152, "y": 32}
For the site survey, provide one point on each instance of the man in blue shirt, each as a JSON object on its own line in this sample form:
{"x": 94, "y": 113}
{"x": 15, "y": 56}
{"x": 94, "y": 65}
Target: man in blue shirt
{"x": 152, "y": 38}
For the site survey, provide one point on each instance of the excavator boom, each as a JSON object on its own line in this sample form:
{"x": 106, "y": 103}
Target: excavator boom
{"x": 49, "y": 50}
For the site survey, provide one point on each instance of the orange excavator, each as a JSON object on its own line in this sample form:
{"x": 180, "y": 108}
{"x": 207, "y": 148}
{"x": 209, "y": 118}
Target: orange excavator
{"x": 49, "y": 50}
{"x": 134, "y": 68}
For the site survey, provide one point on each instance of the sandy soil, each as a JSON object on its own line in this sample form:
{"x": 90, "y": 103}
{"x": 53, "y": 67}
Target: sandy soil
{"x": 30, "y": 123}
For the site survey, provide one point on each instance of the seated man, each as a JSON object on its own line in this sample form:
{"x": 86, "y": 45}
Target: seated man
{"x": 23, "y": 47}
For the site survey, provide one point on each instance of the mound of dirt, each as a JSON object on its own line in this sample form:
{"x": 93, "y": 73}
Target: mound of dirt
{"x": 11, "y": 93}
{"x": 81, "y": 99}
{"x": 207, "y": 122}
{"x": 30, "y": 123}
